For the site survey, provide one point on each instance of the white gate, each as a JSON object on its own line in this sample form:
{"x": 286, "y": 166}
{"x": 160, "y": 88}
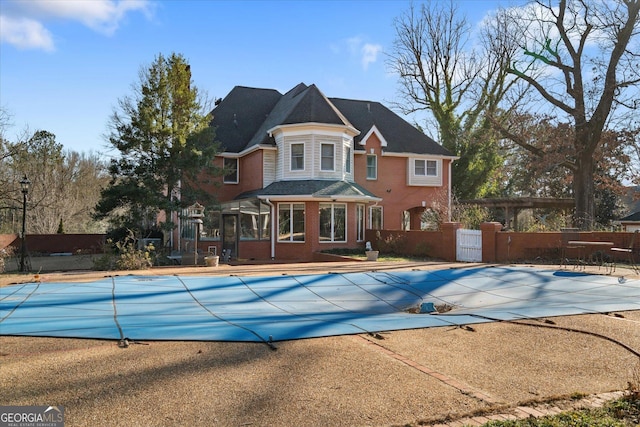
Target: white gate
{"x": 468, "y": 245}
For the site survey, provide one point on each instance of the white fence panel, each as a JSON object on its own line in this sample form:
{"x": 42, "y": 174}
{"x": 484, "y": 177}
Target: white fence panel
{"x": 468, "y": 245}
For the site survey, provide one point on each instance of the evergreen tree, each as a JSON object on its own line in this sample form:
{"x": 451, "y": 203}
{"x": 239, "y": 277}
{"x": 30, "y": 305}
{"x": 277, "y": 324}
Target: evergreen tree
{"x": 165, "y": 144}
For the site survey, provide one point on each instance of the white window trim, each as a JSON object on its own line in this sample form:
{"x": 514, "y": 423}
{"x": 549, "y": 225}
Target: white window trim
{"x": 425, "y": 179}
{"x": 224, "y": 177}
{"x": 291, "y": 233}
{"x": 426, "y": 167}
{"x": 304, "y": 163}
{"x": 361, "y": 210}
{"x": 425, "y": 163}
{"x": 376, "y": 167}
{"x": 333, "y": 240}
{"x": 371, "y": 208}
{"x": 333, "y": 157}
{"x": 347, "y": 159}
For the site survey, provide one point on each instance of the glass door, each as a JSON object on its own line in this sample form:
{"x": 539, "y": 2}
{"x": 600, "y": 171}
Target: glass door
{"x": 229, "y": 237}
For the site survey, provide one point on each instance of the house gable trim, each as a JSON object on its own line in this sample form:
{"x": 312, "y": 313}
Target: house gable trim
{"x": 312, "y": 198}
{"x": 418, "y": 156}
{"x": 372, "y": 131}
{"x": 247, "y": 151}
{"x": 313, "y": 128}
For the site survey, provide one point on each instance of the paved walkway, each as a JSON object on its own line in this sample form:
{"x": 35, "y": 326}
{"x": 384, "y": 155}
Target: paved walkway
{"x": 536, "y": 411}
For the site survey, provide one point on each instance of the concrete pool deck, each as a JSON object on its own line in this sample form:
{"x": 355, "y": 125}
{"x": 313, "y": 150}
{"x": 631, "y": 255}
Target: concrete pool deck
{"x": 435, "y": 375}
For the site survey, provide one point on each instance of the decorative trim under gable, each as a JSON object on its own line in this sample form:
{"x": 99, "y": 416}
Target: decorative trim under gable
{"x": 373, "y": 130}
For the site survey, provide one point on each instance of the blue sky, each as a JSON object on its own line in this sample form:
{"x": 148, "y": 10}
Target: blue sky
{"x": 65, "y": 63}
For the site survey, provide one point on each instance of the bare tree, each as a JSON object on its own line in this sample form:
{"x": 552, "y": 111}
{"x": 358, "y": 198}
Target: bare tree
{"x": 583, "y": 59}
{"x": 65, "y": 186}
{"x": 459, "y": 81}
{"x": 10, "y": 195}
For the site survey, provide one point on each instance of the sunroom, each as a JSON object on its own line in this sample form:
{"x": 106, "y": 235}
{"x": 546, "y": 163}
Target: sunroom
{"x": 287, "y": 220}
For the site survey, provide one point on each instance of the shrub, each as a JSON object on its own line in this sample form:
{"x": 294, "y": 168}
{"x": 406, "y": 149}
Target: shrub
{"x": 124, "y": 255}
{"x": 393, "y": 243}
{"x": 5, "y": 254}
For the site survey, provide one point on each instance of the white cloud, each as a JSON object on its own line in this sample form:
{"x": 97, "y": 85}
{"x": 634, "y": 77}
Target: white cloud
{"x": 27, "y": 19}
{"x": 353, "y": 44}
{"x": 25, "y": 33}
{"x": 366, "y": 53}
{"x": 370, "y": 54}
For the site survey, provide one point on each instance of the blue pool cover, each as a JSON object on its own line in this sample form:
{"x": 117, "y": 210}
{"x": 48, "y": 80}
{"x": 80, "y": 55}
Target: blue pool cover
{"x": 269, "y": 309}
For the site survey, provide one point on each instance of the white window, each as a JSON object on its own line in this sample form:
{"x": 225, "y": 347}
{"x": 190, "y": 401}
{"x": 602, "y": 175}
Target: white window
{"x": 425, "y": 167}
{"x": 327, "y": 157}
{"x": 347, "y": 160}
{"x": 230, "y": 168}
{"x": 333, "y": 222}
{"x": 360, "y": 223}
{"x": 432, "y": 168}
{"x": 375, "y": 217}
{"x": 291, "y": 222}
{"x": 297, "y": 157}
{"x": 372, "y": 166}
{"x": 423, "y": 172}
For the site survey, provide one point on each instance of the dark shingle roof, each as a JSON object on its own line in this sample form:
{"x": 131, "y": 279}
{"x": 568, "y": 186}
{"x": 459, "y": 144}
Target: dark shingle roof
{"x": 302, "y": 104}
{"x": 312, "y": 106}
{"x": 633, "y": 217}
{"x": 313, "y": 188}
{"x": 239, "y": 116}
{"x": 401, "y": 136}
{"x": 245, "y": 115}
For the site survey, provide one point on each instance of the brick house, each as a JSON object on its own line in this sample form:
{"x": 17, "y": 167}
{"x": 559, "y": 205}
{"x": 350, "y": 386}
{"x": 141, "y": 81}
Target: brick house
{"x": 305, "y": 173}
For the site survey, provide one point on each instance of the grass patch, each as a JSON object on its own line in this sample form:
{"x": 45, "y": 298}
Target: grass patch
{"x": 624, "y": 412}
{"x": 359, "y": 253}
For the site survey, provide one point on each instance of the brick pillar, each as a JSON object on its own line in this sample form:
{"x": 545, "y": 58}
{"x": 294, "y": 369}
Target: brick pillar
{"x": 489, "y": 240}
{"x": 449, "y": 240}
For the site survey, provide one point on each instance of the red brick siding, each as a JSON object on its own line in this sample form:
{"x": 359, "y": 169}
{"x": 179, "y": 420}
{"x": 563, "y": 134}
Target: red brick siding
{"x": 392, "y": 187}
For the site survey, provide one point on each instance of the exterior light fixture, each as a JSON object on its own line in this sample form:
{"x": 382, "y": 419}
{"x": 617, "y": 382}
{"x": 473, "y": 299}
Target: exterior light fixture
{"x": 24, "y": 187}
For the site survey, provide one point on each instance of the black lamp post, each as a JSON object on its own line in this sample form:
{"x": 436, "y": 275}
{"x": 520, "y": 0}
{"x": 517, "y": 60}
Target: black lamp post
{"x": 24, "y": 185}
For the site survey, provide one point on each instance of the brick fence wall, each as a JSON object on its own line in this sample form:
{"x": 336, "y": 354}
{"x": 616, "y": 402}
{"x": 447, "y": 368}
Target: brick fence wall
{"x": 497, "y": 245}
{"x": 56, "y": 243}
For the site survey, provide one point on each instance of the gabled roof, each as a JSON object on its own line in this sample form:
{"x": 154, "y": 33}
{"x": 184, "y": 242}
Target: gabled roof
{"x": 311, "y": 188}
{"x": 245, "y": 116}
{"x": 401, "y": 136}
